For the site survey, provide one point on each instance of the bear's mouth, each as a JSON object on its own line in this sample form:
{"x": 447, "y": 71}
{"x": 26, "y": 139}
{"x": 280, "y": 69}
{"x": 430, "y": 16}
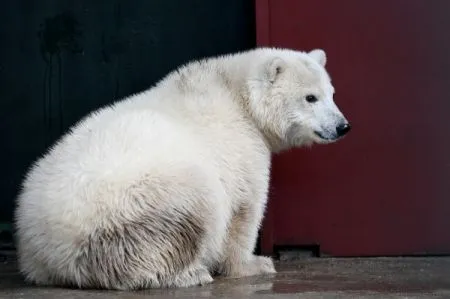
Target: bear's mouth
{"x": 321, "y": 136}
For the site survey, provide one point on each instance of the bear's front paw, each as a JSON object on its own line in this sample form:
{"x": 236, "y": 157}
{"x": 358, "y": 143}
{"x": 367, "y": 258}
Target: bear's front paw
{"x": 264, "y": 264}
{"x": 257, "y": 265}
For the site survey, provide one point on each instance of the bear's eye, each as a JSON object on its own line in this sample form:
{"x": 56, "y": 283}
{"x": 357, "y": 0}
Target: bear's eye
{"x": 311, "y": 98}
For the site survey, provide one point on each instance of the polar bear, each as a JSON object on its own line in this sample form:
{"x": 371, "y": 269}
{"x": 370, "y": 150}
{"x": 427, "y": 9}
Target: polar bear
{"x": 168, "y": 186}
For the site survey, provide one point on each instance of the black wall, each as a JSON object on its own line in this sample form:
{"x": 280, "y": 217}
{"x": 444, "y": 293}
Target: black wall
{"x": 60, "y": 59}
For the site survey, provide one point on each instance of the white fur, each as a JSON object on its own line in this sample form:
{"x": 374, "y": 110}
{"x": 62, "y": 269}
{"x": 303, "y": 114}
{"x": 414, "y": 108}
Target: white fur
{"x": 198, "y": 144}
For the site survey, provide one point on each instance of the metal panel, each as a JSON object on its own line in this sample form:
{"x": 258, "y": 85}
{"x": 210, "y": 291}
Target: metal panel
{"x": 385, "y": 189}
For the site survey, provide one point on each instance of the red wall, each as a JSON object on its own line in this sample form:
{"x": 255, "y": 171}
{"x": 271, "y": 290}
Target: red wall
{"x": 384, "y": 189}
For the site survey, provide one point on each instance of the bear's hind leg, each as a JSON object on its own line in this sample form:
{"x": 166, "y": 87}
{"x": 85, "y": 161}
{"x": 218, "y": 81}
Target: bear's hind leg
{"x": 163, "y": 235}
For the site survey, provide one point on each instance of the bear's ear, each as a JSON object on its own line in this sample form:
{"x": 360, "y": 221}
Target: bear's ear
{"x": 319, "y": 56}
{"x": 273, "y": 68}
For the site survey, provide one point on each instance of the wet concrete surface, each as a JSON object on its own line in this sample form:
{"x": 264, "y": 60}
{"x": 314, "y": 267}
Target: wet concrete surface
{"x": 308, "y": 278}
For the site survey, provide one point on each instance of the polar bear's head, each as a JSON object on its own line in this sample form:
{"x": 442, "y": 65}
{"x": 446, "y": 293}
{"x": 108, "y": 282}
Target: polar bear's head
{"x": 291, "y": 98}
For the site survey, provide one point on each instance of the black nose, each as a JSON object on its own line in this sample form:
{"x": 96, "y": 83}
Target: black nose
{"x": 343, "y": 129}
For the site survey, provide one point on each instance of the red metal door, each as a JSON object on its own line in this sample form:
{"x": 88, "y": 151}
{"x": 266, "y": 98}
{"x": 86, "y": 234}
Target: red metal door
{"x": 385, "y": 189}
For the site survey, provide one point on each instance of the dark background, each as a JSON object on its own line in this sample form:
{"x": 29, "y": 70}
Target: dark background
{"x": 60, "y": 59}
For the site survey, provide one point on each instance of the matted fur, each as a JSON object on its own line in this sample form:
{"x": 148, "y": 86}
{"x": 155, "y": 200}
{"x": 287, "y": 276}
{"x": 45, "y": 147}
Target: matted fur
{"x": 168, "y": 185}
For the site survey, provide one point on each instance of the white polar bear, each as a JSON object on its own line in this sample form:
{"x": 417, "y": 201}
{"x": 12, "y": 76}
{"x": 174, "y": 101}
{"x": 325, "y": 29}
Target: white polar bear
{"x": 170, "y": 185}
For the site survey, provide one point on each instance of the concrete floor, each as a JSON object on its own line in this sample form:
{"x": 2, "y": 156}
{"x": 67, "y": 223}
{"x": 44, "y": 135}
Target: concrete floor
{"x": 309, "y": 278}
